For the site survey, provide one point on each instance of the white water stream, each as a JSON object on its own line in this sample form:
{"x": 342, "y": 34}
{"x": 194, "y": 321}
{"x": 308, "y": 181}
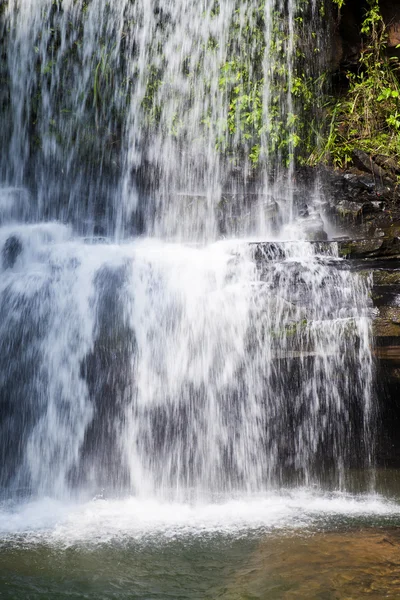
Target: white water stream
{"x": 170, "y": 371}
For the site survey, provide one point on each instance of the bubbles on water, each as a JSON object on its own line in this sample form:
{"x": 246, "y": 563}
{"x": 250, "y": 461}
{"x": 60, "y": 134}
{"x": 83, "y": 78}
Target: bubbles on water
{"x": 102, "y": 521}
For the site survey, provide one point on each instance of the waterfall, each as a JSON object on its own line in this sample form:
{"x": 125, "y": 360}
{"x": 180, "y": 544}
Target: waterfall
{"x": 145, "y": 116}
{"x": 218, "y": 351}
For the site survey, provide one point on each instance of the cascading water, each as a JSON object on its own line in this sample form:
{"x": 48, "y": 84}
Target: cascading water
{"x": 146, "y": 116}
{"x": 157, "y": 367}
{"x": 162, "y": 370}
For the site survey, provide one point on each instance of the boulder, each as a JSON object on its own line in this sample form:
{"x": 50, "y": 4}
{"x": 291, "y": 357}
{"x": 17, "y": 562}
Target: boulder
{"x": 376, "y": 247}
{"x": 365, "y": 162}
{"x": 388, "y": 163}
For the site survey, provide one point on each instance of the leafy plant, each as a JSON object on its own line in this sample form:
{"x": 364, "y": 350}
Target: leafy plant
{"x": 367, "y": 116}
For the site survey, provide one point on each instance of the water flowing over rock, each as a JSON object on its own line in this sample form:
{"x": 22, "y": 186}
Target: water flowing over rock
{"x": 118, "y": 117}
{"x": 175, "y": 364}
{"x": 161, "y": 369}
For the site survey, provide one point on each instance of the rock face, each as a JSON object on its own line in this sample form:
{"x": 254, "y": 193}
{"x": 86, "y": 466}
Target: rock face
{"x": 391, "y": 15}
{"x": 367, "y": 215}
{"x": 365, "y": 208}
{"x": 105, "y": 370}
{"x": 382, "y": 264}
{"x": 360, "y": 204}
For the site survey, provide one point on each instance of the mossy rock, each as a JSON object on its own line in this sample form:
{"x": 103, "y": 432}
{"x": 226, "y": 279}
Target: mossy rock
{"x": 382, "y": 277}
{"x": 359, "y": 248}
{"x": 387, "y": 324}
{"x": 349, "y": 212}
{"x": 387, "y": 247}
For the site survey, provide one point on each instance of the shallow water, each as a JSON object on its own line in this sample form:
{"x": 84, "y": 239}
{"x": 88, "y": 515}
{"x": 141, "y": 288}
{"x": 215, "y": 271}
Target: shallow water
{"x": 291, "y": 544}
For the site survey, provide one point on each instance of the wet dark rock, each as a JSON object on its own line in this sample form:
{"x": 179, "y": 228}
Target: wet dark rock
{"x": 303, "y": 211}
{"x": 388, "y": 164}
{"x": 96, "y": 240}
{"x": 348, "y": 212}
{"x": 376, "y": 258}
{"x": 379, "y": 258}
{"x": 23, "y": 325}
{"x": 267, "y": 251}
{"x": 386, "y": 277}
{"x": 365, "y": 162}
{"x": 107, "y": 370}
{"x": 313, "y": 228}
{"x": 390, "y": 247}
{"x": 357, "y": 202}
{"x": 377, "y": 233}
{"x": 386, "y": 295}
{"x": 375, "y": 206}
{"x": 387, "y": 321}
{"x": 10, "y": 252}
{"x": 351, "y": 213}
{"x": 356, "y": 185}
{"x": 360, "y": 187}
{"x": 363, "y": 248}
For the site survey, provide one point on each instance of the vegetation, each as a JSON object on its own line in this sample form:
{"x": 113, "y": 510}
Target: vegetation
{"x": 268, "y": 125}
{"x": 315, "y": 127}
{"x": 367, "y": 116}
{"x": 286, "y": 132}
{"x": 259, "y": 124}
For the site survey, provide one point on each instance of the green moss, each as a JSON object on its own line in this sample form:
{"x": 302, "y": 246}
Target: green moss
{"x": 359, "y": 248}
{"x": 386, "y": 277}
{"x": 387, "y": 324}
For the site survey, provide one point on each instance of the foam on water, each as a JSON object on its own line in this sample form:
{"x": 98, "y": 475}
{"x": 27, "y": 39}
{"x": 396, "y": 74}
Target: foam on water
{"x": 101, "y": 521}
